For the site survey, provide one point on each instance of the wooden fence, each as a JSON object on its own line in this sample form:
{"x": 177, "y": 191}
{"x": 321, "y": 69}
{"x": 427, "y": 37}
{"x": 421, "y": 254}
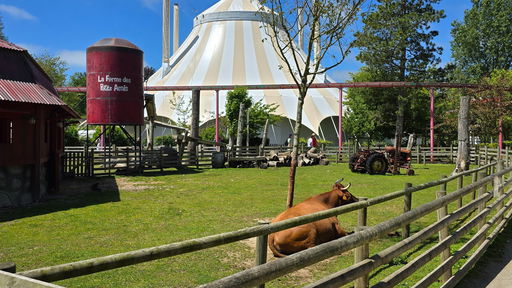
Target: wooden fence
{"x": 110, "y": 161}
{"x": 486, "y": 209}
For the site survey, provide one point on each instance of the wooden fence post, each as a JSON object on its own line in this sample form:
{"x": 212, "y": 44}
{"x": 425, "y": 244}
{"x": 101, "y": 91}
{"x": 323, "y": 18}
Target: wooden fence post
{"x": 481, "y": 207}
{"x": 451, "y": 153}
{"x": 497, "y": 186}
{"x": 443, "y": 233}
{"x": 406, "y": 229}
{"x": 417, "y": 154}
{"x": 460, "y": 184}
{"x": 261, "y": 248}
{"x": 362, "y": 252}
{"x": 473, "y": 180}
{"x": 486, "y": 153}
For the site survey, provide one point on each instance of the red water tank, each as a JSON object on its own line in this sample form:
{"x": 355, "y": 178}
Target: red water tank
{"x": 115, "y": 92}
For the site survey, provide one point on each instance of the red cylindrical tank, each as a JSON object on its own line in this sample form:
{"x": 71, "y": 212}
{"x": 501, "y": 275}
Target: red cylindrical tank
{"x": 115, "y": 92}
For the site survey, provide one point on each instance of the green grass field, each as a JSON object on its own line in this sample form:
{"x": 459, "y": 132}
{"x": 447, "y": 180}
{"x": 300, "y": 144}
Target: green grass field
{"x": 130, "y": 213}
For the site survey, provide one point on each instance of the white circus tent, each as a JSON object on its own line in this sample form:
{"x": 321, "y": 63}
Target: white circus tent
{"x": 226, "y": 47}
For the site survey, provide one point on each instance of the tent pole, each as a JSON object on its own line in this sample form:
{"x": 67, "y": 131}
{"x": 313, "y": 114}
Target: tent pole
{"x": 217, "y": 117}
{"x": 431, "y": 124}
{"x": 340, "y": 121}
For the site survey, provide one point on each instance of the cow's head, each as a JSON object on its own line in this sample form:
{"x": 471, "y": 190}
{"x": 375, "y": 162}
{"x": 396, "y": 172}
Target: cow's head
{"x": 344, "y": 197}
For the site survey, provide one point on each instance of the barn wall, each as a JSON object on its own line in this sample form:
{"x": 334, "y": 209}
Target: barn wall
{"x": 31, "y": 149}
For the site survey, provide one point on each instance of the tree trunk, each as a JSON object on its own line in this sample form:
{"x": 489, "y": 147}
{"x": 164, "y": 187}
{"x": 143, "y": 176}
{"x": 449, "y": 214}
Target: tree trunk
{"x": 264, "y": 138}
{"x": 239, "y": 131}
{"x": 194, "y": 125}
{"x": 463, "y": 159}
{"x": 295, "y": 149}
{"x": 399, "y": 131}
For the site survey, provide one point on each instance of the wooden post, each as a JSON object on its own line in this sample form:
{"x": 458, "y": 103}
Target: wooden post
{"x": 486, "y": 155}
{"x": 473, "y": 180}
{"x": 481, "y": 207}
{"x": 406, "y": 229}
{"x": 451, "y": 153}
{"x": 362, "y": 252}
{"x": 443, "y": 233}
{"x": 261, "y": 248}
{"x": 460, "y": 184}
{"x": 418, "y": 154}
{"x": 497, "y": 186}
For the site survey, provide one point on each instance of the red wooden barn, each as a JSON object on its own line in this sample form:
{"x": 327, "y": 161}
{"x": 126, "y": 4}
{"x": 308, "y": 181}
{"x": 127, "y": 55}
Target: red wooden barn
{"x": 31, "y": 129}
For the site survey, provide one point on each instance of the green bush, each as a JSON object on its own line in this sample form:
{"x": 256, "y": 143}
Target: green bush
{"x": 165, "y": 140}
{"x": 71, "y": 137}
{"x": 118, "y": 136}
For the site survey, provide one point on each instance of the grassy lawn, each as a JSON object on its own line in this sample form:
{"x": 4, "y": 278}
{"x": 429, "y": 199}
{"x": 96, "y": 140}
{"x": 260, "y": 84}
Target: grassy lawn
{"x": 128, "y": 213}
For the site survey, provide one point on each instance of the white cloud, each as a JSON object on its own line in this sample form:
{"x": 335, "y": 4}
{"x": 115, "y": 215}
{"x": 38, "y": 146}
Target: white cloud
{"x": 341, "y": 76}
{"x": 151, "y": 4}
{"x": 34, "y": 50}
{"x": 17, "y": 12}
{"x": 73, "y": 57}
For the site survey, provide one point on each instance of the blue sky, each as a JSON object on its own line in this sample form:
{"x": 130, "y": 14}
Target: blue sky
{"x": 67, "y": 27}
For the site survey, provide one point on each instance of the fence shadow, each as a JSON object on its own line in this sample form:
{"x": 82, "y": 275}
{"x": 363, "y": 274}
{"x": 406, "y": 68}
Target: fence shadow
{"x": 497, "y": 256}
{"x": 75, "y": 193}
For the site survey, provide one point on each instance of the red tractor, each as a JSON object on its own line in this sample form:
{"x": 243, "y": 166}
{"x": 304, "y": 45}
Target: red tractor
{"x": 380, "y": 162}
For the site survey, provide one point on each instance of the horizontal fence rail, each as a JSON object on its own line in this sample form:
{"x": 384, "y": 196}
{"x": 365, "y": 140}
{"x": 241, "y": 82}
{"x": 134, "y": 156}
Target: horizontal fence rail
{"x": 108, "y": 161}
{"x": 265, "y": 272}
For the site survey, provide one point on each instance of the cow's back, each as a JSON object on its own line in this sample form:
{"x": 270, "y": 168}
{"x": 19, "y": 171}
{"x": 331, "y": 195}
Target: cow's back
{"x": 307, "y": 235}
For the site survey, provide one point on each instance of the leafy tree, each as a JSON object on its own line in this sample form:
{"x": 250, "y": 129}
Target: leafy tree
{"x": 397, "y": 40}
{"x": 148, "y": 72}
{"x": 492, "y": 106}
{"x": 75, "y": 100}
{"x": 71, "y": 137}
{"x": 54, "y": 66}
{"x": 165, "y": 140}
{"x": 234, "y": 99}
{"x": 2, "y": 35}
{"x": 113, "y": 136}
{"x": 258, "y": 115}
{"x": 323, "y": 24}
{"x": 482, "y": 42}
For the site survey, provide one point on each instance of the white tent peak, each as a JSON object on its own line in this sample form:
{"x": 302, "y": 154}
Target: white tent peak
{"x": 228, "y": 45}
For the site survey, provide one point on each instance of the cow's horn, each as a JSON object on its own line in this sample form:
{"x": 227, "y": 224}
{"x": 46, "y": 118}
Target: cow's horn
{"x": 339, "y": 181}
{"x": 348, "y": 186}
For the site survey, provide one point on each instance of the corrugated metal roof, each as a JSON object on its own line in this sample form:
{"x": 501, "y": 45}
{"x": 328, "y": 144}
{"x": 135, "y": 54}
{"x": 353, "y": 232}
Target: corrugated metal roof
{"x": 27, "y": 92}
{"x": 7, "y": 45}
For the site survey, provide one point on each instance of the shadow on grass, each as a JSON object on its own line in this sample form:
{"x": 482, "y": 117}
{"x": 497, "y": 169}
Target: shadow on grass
{"x": 75, "y": 193}
{"x": 167, "y": 172}
{"x": 497, "y": 256}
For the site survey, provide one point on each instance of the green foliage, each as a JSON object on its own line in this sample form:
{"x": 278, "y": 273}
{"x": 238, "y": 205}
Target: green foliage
{"x": 371, "y": 112}
{"x": 115, "y": 137}
{"x": 165, "y": 140}
{"x": 71, "y": 137}
{"x": 77, "y": 101}
{"x": 148, "y": 71}
{"x": 54, "y": 66}
{"x": 492, "y": 104}
{"x": 397, "y": 39}
{"x": 258, "y": 115}
{"x": 2, "y": 35}
{"x": 482, "y": 42}
{"x": 235, "y": 97}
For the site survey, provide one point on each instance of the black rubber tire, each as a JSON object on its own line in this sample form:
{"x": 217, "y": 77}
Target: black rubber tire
{"x": 377, "y": 164}
{"x": 352, "y": 162}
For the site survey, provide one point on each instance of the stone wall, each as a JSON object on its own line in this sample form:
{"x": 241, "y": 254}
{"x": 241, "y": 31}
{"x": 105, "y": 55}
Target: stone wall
{"x": 16, "y": 185}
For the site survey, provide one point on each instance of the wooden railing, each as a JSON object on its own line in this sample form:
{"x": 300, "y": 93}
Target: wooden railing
{"x": 486, "y": 209}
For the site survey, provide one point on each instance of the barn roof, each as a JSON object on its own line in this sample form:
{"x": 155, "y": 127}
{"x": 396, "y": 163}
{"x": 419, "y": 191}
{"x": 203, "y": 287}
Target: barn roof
{"x": 23, "y": 80}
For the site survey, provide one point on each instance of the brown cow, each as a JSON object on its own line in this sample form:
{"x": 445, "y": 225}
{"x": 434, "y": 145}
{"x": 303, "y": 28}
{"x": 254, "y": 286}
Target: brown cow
{"x": 299, "y": 238}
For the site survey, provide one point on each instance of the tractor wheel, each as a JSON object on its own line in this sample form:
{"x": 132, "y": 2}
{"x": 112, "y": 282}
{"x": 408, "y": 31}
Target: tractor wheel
{"x": 352, "y": 162}
{"x": 377, "y": 164}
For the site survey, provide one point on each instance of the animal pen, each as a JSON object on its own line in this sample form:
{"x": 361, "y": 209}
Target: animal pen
{"x": 478, "y": 208}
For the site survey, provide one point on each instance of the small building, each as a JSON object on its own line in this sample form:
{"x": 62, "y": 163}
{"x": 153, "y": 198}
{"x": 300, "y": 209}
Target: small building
{"x": 32, "y": 119}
